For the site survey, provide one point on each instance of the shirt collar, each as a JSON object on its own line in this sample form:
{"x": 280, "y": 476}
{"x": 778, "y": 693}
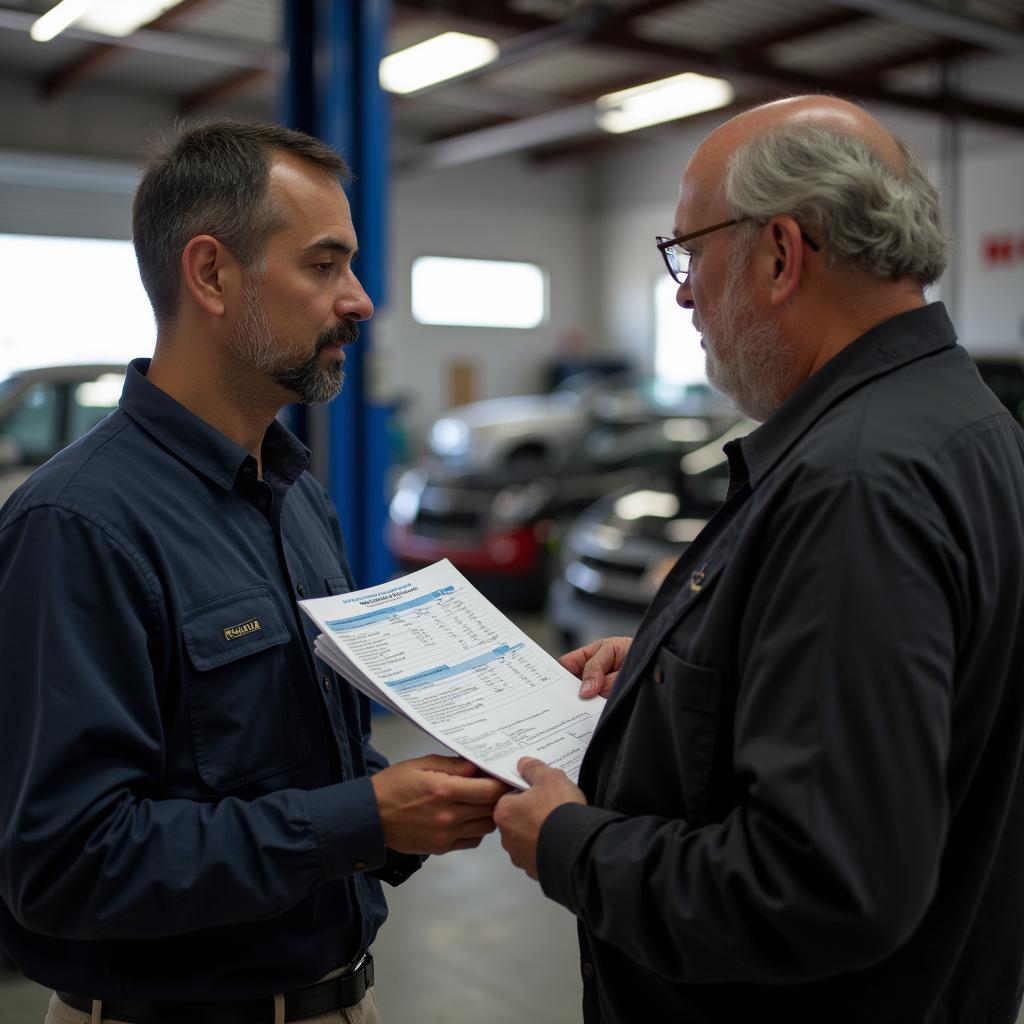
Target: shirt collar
{"x": 881, "y": 350}
{"x": 198, "y": 444}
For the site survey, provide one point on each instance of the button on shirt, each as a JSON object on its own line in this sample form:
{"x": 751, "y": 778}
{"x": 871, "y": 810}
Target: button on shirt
{"x": 185, "y": 807}
{"x": 807, "y": 786}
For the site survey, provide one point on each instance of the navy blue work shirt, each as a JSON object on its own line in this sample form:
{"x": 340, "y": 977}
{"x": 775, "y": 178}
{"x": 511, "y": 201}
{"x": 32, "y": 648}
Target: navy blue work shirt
{"x": 185, "y": 803}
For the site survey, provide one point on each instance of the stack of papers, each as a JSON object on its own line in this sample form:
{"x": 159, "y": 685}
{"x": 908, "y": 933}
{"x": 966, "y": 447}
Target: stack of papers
{"x": 431, "y": 647}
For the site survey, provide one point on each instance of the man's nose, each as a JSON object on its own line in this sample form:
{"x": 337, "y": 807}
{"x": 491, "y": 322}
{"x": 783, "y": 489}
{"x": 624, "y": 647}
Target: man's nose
{"x": 353, "y": 303}
{"x": 684, "y": 297}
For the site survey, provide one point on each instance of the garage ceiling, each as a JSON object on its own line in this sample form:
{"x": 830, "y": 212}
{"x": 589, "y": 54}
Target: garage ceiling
{"x": 557, "y": 57}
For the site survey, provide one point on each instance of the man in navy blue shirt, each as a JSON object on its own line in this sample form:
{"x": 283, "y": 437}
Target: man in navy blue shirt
{"x": 193, "y": 823}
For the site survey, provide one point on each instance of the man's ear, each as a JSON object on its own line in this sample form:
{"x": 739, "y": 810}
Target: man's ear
{"x": 786, "y": 254}
{"x": 208, "y": 269}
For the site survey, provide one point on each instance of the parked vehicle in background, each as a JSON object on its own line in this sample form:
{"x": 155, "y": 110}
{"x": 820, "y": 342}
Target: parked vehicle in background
{"x": 43, "y": 410}
{"x": 542, "y": 431}
{"x": 620, "y": 549}
{"x": 502, "y": 529}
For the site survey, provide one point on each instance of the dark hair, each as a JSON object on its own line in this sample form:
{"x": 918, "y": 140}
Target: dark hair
{"x": 211, "y": 178}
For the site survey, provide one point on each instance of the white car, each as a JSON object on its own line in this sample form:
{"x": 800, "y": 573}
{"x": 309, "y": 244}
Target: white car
{"x": 543, "y": 430}
{"x": 45, "y": 409}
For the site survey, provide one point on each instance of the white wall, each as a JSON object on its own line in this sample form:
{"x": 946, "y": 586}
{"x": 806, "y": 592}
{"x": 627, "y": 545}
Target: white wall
{"x": 991, "y": 293}
{"x": 502, "y": 209}
{"x": 637, "y": 192}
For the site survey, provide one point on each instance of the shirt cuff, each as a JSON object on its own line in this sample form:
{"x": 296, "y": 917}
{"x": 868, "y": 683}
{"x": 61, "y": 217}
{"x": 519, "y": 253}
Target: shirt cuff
{"x": 564, "y": 837}
{"x": 347, "y": 827}
{"x": 398, "y": 867}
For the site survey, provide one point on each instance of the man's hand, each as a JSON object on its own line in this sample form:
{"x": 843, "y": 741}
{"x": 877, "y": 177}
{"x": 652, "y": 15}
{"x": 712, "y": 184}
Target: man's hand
{"x": 435, "y": 804}
{"x": 597, "y": 665}
{"x": 520, "y": 815}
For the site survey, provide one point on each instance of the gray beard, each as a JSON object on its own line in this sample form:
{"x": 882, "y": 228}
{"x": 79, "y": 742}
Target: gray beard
{"x": 254, "y": 344}
{"x": 752, "y": 365}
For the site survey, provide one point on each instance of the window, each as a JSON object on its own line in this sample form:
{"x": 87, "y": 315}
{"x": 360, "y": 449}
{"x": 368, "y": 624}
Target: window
{"x": 478, "y": 293}
{"x": 70, "y": 300}
{"x": 34, "y": 424}
{"x": 92, "y": 400}
{"x": 678, "y": 357}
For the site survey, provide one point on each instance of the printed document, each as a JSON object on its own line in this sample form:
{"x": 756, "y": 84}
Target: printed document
{"x": 431, "y": 647}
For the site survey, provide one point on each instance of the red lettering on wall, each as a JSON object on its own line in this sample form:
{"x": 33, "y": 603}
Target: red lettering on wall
{"x": 1002, "y": 250}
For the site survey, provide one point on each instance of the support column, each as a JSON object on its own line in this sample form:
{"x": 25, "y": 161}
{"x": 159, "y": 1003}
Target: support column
{"x": 332, "y": 91}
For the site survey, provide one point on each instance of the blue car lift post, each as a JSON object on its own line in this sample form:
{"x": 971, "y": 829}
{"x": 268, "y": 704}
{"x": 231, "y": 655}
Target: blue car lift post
{"x": 332, "y": 91}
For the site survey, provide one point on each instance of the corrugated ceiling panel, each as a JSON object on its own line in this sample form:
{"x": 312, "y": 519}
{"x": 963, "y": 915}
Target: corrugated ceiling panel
{"x": 565, "y": 71}
{"x": 159, "y": 75}
{"x": 710, "y": 24}
{"x": 1003, "y": 12}
{"x": 851, "y": 46}
{"x": 37, "y": 58}
{"x": 251, "y": 21}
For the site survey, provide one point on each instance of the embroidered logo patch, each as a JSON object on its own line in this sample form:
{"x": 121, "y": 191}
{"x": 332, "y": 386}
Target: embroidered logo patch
{"x": 242, "y": 629}
{"x": 697, "y": 580}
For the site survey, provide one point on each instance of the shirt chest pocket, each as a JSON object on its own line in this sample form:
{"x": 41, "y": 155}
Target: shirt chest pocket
{"x": 245, "y": 722}
{"x": 664, "y": 762}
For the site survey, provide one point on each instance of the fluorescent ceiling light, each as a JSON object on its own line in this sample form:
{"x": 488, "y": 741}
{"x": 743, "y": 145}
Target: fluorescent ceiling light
{"x": 434, "y": 60}
{"x": 123, "y": 17}
{"x": 112, "y": 17}
{"x": 665, "y": 100}
{"x": 58, "y": 18}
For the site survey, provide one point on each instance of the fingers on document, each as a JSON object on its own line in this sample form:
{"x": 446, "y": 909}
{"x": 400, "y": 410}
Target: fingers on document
{"x": 449, "y": 765}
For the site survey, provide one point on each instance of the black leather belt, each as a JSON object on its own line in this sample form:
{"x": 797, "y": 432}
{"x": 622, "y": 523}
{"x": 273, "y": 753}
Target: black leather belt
{"x": 323, "y": 997}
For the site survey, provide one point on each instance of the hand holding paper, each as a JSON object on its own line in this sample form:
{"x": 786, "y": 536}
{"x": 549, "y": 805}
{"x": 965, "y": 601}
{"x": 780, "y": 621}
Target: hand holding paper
{"x": 521, "y": 815}
{"x": 597, "y": 665}
{"x": 434, "y": 804}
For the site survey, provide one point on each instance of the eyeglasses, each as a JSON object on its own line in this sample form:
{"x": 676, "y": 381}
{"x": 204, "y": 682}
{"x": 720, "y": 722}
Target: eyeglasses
{"x": 678, "y": 259}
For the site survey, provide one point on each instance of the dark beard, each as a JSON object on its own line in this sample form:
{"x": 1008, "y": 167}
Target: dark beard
{"x": 309, "y": 381}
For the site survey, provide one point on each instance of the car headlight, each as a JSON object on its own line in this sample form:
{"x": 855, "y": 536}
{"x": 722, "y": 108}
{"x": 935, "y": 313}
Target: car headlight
{"x": 519, "y": 503}
{"x": 449, "y": 437}
{"x": 405, "y": 505}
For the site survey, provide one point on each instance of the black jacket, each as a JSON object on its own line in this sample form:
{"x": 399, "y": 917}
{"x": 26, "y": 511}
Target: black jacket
{"x": 807, "y": 788}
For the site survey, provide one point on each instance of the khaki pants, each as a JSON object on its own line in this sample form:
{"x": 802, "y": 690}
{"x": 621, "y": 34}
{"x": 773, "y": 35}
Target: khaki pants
{"x": 364, "y": 1012}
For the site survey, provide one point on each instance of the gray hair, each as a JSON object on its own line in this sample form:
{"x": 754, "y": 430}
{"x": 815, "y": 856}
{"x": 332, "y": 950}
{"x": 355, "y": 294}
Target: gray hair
{"x": 883, "y": 220}
{"x": 212, "y": 178}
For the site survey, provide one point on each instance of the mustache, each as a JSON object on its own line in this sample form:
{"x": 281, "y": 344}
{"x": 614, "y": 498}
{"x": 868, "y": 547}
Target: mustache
{"x": 343, "y": 334}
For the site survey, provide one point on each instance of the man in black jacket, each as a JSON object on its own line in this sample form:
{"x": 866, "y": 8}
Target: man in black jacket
{"x": 805, "y": 798}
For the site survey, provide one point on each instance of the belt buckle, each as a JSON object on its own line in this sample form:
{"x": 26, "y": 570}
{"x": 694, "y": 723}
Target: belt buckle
{"x": 364, "y": 966}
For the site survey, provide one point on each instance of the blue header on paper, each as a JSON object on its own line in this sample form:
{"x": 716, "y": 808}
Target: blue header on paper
{"x": 432, "y": 675}
{"x": 340, "y": 625}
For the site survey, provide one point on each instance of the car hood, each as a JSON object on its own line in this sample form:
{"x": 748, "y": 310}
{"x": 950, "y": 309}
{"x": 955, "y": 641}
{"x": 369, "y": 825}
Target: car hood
{"x": 517, "y": 410}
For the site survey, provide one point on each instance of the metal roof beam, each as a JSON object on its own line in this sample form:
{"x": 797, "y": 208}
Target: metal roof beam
{"x": 222, "y": 89}
{"x": 948, "y": 49}
{"x": 987, "y": 34}
{"x": 103, "y": 53}
{"x": 161, "y": 43}
{"x": 558, "y": 125}
{"x": 579, "y": 119}
{"x": 800, "y": 30}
